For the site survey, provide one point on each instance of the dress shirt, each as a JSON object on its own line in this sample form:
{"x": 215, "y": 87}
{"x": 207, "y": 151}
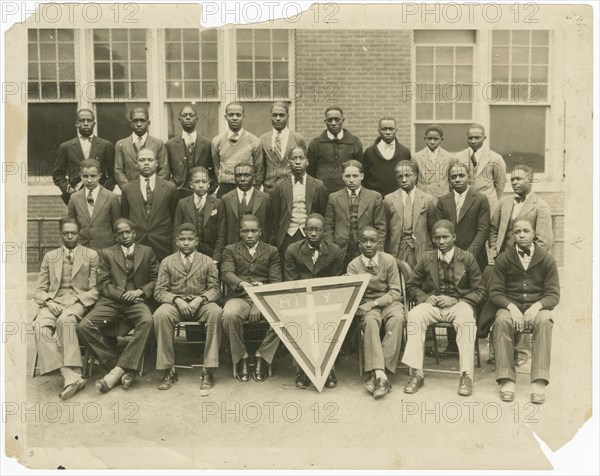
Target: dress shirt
{"x": 432, "y": 154}
{"x": 404, "y": 194}
{"x": 128, "y": 251}
{"x": 459, "y": 200}
{"x": 339, "y": 136}
{"x": 517, "y": 207}
{"x": 230, "y": 133}
{"x": 143, "y": 185}
{"x": 134, "y": 136}
{"x": 94, "y": 196}
{"x": 252, "y": 251}
{"x": 199, "y": 202}
{"x": 189, "y": 138}
{"x": 387, "y": 150}
{"x": 366, "y": 260}
{"x": 447, "y": 258}
{"x": 525, "y": 260}
{"x": 284, "y": 135}
{"x": 240, "y": 195}
{"x": 86, "y": 145}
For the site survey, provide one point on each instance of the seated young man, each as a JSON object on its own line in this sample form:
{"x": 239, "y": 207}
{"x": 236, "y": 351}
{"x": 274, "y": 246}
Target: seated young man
{"x": 380, "y": 305}
{"x": 525, "y": 266}
{"x": 188, "y": 289}
{"x": 446, "y": 284}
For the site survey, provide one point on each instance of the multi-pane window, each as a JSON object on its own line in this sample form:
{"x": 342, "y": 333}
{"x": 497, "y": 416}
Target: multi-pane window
{"x": 262, "y": 64}
{"x": 120, "y": 64}
{"x": 520, "y": 65}
{"x": 192, "y": 70}
{"x": 51, "y": 66}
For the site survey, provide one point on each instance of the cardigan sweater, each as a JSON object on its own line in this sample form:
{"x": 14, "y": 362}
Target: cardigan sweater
{"x": 380, "y": 174}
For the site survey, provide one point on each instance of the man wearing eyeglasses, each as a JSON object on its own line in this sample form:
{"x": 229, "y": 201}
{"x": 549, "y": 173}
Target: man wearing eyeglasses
{"x": 328, "y": 151}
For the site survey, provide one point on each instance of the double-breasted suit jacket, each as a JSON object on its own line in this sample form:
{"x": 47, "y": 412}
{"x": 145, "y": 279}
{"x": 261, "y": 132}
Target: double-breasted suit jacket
{"x": 96, "y": 230}
{"x": 126, "y": 169}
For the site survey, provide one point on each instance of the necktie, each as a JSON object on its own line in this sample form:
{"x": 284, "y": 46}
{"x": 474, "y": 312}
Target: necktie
{"x": 148, "y": 196}
{"x": 353, "y": 197}
{"x": 139, "y": 144}
{"x": 190, "y": 143}
{"x": 458, "y": 206}
{"x": 298, "y": 180}
{"x": 90, "y": 199}
{"x": 474, "y": 160}
{"x": 129, "y": 253}
{"x": 444, "y": 258}
{"x": 522, "y": 252}
{"x": 408, "y": 213}
{"x": 315, "y": 254}
{"x": 519, "y": 199}
{"x": 389, "y": 146}
{"x": 252, "y": 251}
{"x": 335, "y": 137}
{"x": 244, "y": 200}
{"x": 235, "y": 137}
{"x": 371, "y": 265}
{"x": 187, "y": 262}
{"x": 70, "y": 256}
{"x": 199, "y": 204}
{"x": 277, "y": 148}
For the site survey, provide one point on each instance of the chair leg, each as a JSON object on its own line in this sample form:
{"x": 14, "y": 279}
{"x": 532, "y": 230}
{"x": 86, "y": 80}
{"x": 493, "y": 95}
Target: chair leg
{"x": 35, "y": 363}
{"x": 142, "y": 367}
{"x": 477, "y": 352}
{"x": 435, "y": 347}
{"x": 361, "y": 356}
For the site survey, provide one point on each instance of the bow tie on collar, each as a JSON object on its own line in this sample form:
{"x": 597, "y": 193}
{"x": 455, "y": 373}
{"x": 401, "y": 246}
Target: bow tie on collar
{"x": 522, "y": 252}
{"x": 299, "y": 180}
{"x": 519, "y": 199}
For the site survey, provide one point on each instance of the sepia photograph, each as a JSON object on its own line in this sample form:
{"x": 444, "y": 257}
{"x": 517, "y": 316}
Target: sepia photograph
{"x": 305, "y": 236}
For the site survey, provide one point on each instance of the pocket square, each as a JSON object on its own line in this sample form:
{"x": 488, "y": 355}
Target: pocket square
{"x": 213, "y": 213}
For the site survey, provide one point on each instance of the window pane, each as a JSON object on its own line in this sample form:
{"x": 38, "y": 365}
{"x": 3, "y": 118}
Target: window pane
{"x": 173, "y": 34}
{"x": 280, "y": 51}
{"x": 32, "y": 35}
{"x": 101, "y": 52}
{"x": 209, "y": 51}
{"x": 47, "y": 35}
{"x": 113, "y": 124}
{"x": 119, "y": 52}
{"x": 137, "y": 52}
{"x": 48, "y": 52}
{"x": 539, "y": 74}
{"x": 262, "y": 70}
{"x": 137, "y": 34}
{"x": 66, "y": 71}
{"x": 520, "y": 55}
{"x": 66, "y": 52}
{"x": 443, "y": 111}
{"x": 262, "y": 35}
{"x": 280, "y": 35}
{"x": 500, "y": 73}
{"x": 209, "y": 71}
{"x": 191, "y": 71}
{"x": 262, "y": 51}
{"x": 244, "y": 70}
{"x": 101, "y": 35}
{"x": 48, "y": 71}
{"x": 520, "y": 74}
{"x": 519, "y": 135}
{"x": 463, "y": 111}
{"x": 32, "y": 71}
{"x": 501, "y": 37}
{"x": 539, "y": 55}
{"x": 50, "y": 90}
{"x": 191, "y": 34}
{"x": 539, "y": 37}
{"x": 500, "y": 55}
{"x": 444, "y": 74}
{"x": 424, "y": 111}
{"x": 65, "y": 36}
{"x": 464, "y": 55}
{"x": 174, "y": 89}
{"x": 244, "y": 35}
{"x": 444, "y": 55}
{"x": 210, "y": 89}
{"x": 209, "y": 35}
{"x": 119, "y": 70}
{"x": 32, "y": 52}
{"x": 425, "y": 74}
{"x": 191, "y": 51}
{"x": 424, "y": 55}
{"x": 520, "y": 37}
{"x": 464, "y": 74}
{"x": 138, "y": 70}
{"x": 280, "y": 71}
{"x": 119, "y": 34}
{"x": 192, "y": 89}
{"x": 538, "y": 92}
{"x": 245, "y": 51}
{"x": 208, "y": 118}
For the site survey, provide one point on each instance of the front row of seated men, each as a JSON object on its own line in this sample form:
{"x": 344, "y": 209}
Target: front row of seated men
{"x": 446, "y": 285}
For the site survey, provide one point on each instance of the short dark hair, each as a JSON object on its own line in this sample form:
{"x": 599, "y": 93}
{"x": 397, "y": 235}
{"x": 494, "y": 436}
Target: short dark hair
{"x": 126, "y": 221}
{"x": 476, "y": 126}
{"x": 234, "y": 103}
{"x": 87, "y": 163}
{"x": 525, "y": 168}
{"x": 190, "y": 106}
{"x": 457, "y": 163}
{"x": 335, "y": 108}
{"x": 249, "y": 217}
{"x": 85, "y": 110}
{"x": 447, "y": 224}
{"x": 435, "y": 128}
{"x": 352, "y": 163}
{"x": 281, "y": 104}
{"x": 366, "y": 228}
{"x": 138, "y": 109}
{"x": 408, "y": 163}
{"x": 314, "y": 216}
{"x": 68, "y": 221}
{"x": 241, "y": 164}
{"x": 187, "y": 227}
{"x": 386, "y": 118}
{"x": 197, "y": 170}
{"x": 524, "y": 218}
{"x": 300, "y": 148}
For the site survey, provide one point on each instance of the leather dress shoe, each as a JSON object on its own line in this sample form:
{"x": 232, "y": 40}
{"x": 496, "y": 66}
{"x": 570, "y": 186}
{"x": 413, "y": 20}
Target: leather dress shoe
{"x": 370, "y": 382}
{"x": 331, "y": 381}
{"x": 520, "y": 362}
{"x": 538, "y": 398}
{"x": 169, "y": 379}
{"x": 208, "y": 380}
{"x": 507, "y": 395}
{"x": 382, "y": 386}
{"x": 72, "y": 389}
{"x": 260, "y": 370}
{"x": 302, "y": 380}
{"x": 241, "y": 370}
{"x": 102, "y": 386}
{"x": 414, "y": 384}
{"x": 465, "y": 386}
{"x": 127, "y": 379}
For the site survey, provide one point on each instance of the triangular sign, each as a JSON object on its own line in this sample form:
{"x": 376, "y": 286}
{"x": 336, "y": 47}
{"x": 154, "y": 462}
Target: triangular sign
{"x": 312, "y": 317}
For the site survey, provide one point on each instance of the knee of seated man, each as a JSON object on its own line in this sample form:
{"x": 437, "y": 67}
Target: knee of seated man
{"x": 68, "y": 319}
{"x": 543, "y": 318}
{"x": 503, "y": 318}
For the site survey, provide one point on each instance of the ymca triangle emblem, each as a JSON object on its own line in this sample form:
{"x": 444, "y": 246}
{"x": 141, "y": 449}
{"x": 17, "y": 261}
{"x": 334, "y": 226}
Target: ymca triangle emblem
{"x": 312, "y": 317}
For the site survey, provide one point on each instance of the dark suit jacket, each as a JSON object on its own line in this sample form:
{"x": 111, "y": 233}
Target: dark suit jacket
{"x": 276, "y": 167}
{"x": 157, "y": 231}
{"x": 261, "y": 208}
{"x": 213, "y": 224}
{"x": 299, "y": 265}
{"x": 473, "y": 226}
{"x": 337, "y": 215}
{"x": 238, "y": 266}
{"x": 112, "y": 276}
{"x": 96, "y": 231}
{"x": 467, "y": 277}
{"x": 281, "y": 200}
{"x": 126, "y": 169}
{"x": 70, "y": 154}
{"x": 177, "y": 164}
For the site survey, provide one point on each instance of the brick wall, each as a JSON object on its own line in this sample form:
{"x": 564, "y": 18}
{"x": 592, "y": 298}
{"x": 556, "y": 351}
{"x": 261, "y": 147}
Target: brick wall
{"x": 357, "y": 70}
{"x": 42, "y": 207}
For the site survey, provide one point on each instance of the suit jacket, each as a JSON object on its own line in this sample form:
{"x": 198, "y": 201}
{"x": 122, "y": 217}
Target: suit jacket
{"x": 533, "y": 208}
{"x": 112, "y": 274}
{"x": 472, "y": 227}
{"x": 282, "y": 199}
{"x": 276, "y": 167}
{"x": 126, "y": 169}
{"x": 424, "y": 216}
{"x": 178, "y": 166}
{"x": 213, "y": 223}
{"x": 433, "y": 174}
{"x": 261, "y": 208}
{"x": 97, "y": 230}
{"x": 238, "y": 266}
{"x": 83, "y": 275}
{"x": 491, "y": 174}
{"x": 337, "y": 215}
{"x": 173, "y": 281}
{"x": 70, "y": 154}
{"x": 157, "y": 231}
{"x": 425, "y": 280}
{"x": 299, "y": 264}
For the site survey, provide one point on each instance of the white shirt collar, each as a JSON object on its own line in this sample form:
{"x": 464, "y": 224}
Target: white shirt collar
{"x": 66, "y": 250}
{"x": 191, "y": 255}
{"x": 478, "y": 153}
{"x": 448, "y": 255}
{"x": 253, "y": 248}
{"x": 404, "y": 194}
{"x": 199, "y": 200}
{"x": 127, "y": 250}
{"x": 230, "y": 133}
{"x": 432, "y": 154}
{"x": 350, "y": 191}
{"x": 284, "y": 133}
{"x": 461, "y": 195}
{"x": 339, "y": 136}
{"x": 366, "y": 260}
{"x": 134, "y": 136}
{"x": 248, "y": 194}
{"x": 531, "y": 249}
{"x": 152, "y": 182}
{"x": 94, "y": 192}
{"x": 192, "y": 135}
{"x": 81, "y": 138}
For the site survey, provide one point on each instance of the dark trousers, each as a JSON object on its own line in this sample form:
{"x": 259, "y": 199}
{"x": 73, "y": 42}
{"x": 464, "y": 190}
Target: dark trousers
{"x": 287, "y": 241}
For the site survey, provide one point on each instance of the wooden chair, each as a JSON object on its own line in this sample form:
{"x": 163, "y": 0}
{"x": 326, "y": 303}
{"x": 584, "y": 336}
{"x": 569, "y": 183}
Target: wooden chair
{"x": 198, "y": 330}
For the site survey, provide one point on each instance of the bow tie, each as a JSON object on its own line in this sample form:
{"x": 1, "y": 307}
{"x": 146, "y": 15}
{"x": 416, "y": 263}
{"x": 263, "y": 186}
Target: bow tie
{"x": 89, "y": 139}
{"x": 523, "y": 252}
{"x": 519, "y": 199}
{"x": 299, "y": 180}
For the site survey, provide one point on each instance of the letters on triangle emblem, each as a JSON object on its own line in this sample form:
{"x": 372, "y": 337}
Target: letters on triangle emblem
{"x": 312, "y": 317}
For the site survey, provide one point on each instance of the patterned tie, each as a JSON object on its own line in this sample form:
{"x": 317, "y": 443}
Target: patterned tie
{"x": 408, "y": 213}
{"x": 371, "y": 264}
{"x": 129, "y": 253}
{"x": 199, "y": 204}
{"x": 187, "y": 263}
{"x": 244, "y": 201}
{"x": 353, "y": 197}
{"x": 474, "y": 160}
{"x": 70, "y": 256}
{"x": 148, "y": 197}
{"x": 139, "y": 144}
{"x": 519, "y": 199}
{"x": 235, "y": 137}
{"x": 90, "y": 199}
{"x": 458, "y": 206}
{"x": 277, "y": 148}
{"x": 315, "y": 254}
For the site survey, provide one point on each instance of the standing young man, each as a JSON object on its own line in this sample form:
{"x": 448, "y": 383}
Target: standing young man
{"x": 433, "y": 163}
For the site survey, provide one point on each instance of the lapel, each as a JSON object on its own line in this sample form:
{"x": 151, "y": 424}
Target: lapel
{"x": 120, "y": 256}
{"x": 256, "y": 202}
{"x": 344, "y": 200}
{"x": 469, "y": 200}
{"x": 209, "y": 205}
{"x": 459, "y": 266}
{"x": 58, "y": 264}
{"x": 432, "y": 264}
{"x": 159, "y": 192}
{"x": 129, "y": 148}
{"x": 95, "y": 147}
{"x": 363, "y": 201}
{"x": 190, "y": 208}
{"x": 140, "y": 198}
{"x": 77, "y": 259}
{"x": 196, "y": 263}
{"x": 137, "y": 257}
{"x": 483, "y": 161}
{"x": 232, "y": 198}
{"x": 306, "y": 257}
{"x": 310, "y": 189}
{"x": 288, "y": 193}
{"x": 528, "y": 205}
{"x": 81, "y": 202}
{"x": 100, "y": 202}
{"x": 321, "y": 260}
{"x": 77, "y": 148}
{"x": 451, "y": 207}
{"x": 417, "y": 206}
{"x": 179, "y": 147}
{"x": 507, "y": 212}
{"x": 178, "y": 263}
{"x": 398, "y": 205}
{"x": 260, "y": 249}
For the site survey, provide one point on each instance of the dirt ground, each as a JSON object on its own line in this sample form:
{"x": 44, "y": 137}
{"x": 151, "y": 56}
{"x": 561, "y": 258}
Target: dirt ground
{"x": 274, "y": 425}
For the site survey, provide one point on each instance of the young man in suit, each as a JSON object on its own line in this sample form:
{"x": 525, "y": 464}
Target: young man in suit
{"x": 205, "y": 212}
{"x": 128, "y": 149}
{"x": 524, "y": 266}
{"x": 433, "y": 163}
{"x": 250, "y": 262}
{"x": 380, "y": 159}
{"x": 381, "y": 305}
{"x": 278, "y": 144}
{"x": 235, "y": 146}
{"x": 328, "y": 151}
{"x": 313, "y": 257}
{"x": 126, "y": 280}
{"x": 187, "y": 151}
{"x": 446, "y": 285}
{"x": 294, "y": 198}
{"x": 243, "y": 200}
{"x": 150, "y": 202}
{"x": 351, "y": 209}
{"x": 96, "y": 208}
{"x": 66, "y": 290}
{"x": 188, "y": 289}
{"x": 487, "y": 169}
{"x": 85, "y": 146}
{"x": 410, "y": 214}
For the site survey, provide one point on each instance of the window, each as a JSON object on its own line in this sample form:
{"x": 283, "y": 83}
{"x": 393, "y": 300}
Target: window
{"x": 519, "y": 112}
{"x": 51, "y": 64}
{"x": 120, "y": 64}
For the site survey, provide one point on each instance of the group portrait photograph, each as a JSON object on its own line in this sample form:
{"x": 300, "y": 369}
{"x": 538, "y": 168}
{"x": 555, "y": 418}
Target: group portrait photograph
{"x": 299, "y": 236}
